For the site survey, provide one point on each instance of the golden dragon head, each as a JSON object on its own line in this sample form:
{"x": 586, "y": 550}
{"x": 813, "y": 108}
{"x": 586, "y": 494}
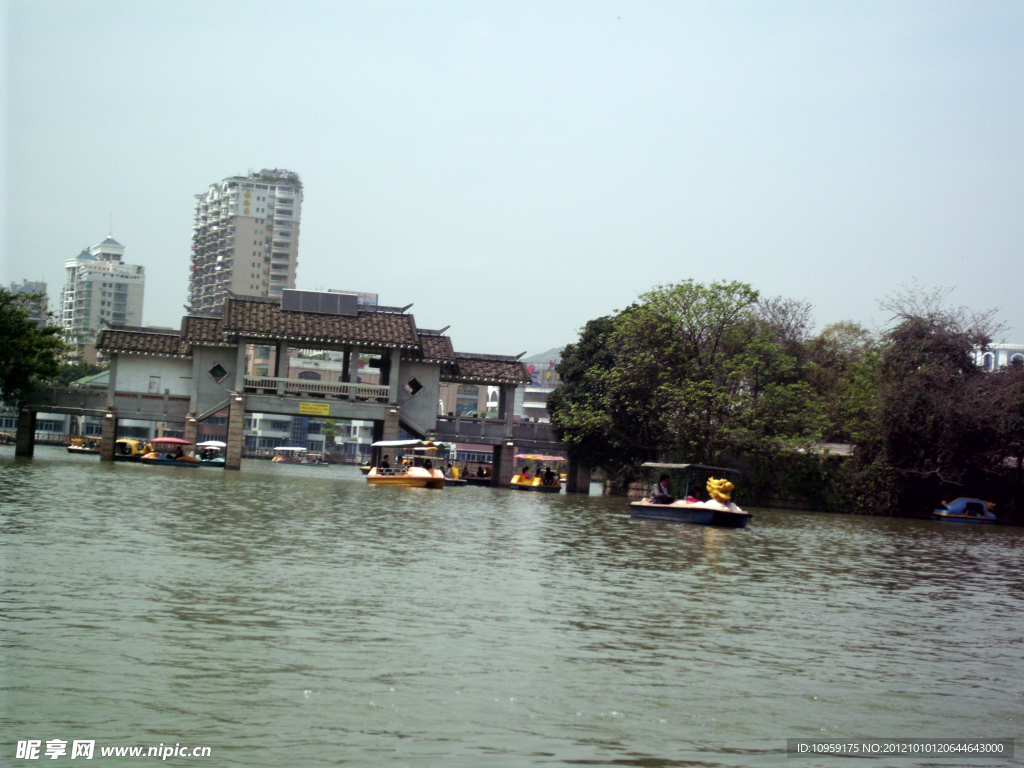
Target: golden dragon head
{"x": 720, "y": 490}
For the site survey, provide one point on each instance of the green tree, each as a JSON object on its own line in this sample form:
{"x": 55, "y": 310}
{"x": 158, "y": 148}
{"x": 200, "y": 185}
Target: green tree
{"x": 30, "y": 353}
{"x": 70, "y": 372}
{"x": 700, "y": 372}
{"x": 940, "y": 426}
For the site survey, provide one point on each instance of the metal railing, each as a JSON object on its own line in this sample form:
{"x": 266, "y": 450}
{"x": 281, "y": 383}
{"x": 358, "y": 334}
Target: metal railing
{"x": 312, "y": 388}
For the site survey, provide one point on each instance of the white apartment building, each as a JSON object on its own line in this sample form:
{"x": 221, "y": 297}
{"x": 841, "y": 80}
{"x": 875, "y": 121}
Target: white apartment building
{"x": 998, "y": 356}
{"x": 38, "y": 307}
{"x": 100, "y": 288}
{"x": 245, "y": 239}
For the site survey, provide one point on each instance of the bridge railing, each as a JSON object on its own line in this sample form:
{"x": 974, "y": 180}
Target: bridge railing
{"x": 269, "y": 385}
{"x": 494, "y": 431}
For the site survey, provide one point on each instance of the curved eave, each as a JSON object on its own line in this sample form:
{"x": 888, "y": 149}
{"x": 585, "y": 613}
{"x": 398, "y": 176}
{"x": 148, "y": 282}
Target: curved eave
{"x": 336, "y": 342}
{"x": 143, "y": 353}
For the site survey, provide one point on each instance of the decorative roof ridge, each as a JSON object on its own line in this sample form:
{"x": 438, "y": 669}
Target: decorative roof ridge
{"x": 487, "y": 357}
{"x": 252, "y": 299}
{"x": 380, "y": 310}
{"x": 140, "y": 329}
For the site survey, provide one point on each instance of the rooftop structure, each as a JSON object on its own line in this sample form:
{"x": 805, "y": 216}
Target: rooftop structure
{"x": 245, "y": 239}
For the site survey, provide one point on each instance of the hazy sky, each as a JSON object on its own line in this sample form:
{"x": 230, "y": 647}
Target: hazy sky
{"x": 515, "y": 169}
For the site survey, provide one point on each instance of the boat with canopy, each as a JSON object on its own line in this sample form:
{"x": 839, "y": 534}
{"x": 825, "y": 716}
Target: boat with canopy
{"x": 417, "y": 471}
{"x": 171, "y": 457}
{"x": 545, "y": 480}
{"x": 211, "y": 453}
{"x": 718, "y": 510}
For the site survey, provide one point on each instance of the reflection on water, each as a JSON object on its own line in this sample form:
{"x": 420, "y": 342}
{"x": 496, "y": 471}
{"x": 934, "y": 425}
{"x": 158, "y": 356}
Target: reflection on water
{"x": 289, "y": 615}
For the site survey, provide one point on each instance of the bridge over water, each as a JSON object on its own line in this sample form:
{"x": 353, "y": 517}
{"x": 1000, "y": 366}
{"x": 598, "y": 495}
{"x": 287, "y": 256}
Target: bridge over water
{"x": 196, "y": 372}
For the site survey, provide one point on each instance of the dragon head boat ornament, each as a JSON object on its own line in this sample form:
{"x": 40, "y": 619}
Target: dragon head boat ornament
{"x": 720, "y": 490}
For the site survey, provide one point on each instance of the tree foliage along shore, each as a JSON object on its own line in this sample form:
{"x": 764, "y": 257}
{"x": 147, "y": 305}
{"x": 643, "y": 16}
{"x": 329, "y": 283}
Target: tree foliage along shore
{"x": 717, "y": 374}
{"x": 30, "y": 354}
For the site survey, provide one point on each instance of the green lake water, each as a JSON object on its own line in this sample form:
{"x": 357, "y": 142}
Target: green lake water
{"x": 294, "y": 616}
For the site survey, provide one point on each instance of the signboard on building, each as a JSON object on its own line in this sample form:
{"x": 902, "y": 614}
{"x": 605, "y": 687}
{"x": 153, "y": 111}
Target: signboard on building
{"x": 315, "y": 409}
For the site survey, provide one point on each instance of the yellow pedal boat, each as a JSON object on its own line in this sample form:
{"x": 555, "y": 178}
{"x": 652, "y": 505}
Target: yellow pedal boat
{"x": 535, "y": 484}
{"x": 417, "y": 472}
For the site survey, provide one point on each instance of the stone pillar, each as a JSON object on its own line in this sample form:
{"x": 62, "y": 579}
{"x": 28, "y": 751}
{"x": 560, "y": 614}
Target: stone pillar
{"x": 112, "y": 382}
{"x": 577, "y": 479}
{"x": 504, "y": 465}
{"x": 391, "y": 424}
{"x": 376, "y": 453}
{"x": 353, "y": 371}
{"x": 240, "y": 362}
{"x": 191, "y": 429}
{"x": 510, "y": 409}
{"x": 108, "y": 435}
{"x": 393, "y": 363}
{"x": 25, "y": 439}
{"x": 236, "y": 432}
{"x": 345, "y": 362}
{"x": 281, "y": 360}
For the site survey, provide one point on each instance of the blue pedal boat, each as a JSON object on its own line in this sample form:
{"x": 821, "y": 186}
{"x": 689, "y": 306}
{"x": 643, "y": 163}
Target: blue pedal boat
{"x": 963, "y": 510}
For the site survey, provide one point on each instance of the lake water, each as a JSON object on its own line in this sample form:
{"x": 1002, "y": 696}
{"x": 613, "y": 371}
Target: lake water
{"x": 288, "y": 615}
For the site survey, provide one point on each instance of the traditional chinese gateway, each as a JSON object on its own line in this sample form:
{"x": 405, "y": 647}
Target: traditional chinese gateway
{"x": 191, "y": 374}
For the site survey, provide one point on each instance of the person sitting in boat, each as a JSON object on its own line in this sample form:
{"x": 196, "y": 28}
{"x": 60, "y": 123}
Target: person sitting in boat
{"x": 525, "y": 474}
{"x": 384, "y": 463}
{"x": 178, "y": 453}
{"x": 660, "y": 492}
{"x": 479, "y": 471}
{"x": 428, "y": 465}
{"x": 549, "y": 476}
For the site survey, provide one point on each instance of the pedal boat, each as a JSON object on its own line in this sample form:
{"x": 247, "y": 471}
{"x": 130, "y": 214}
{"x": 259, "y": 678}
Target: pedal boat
{"x": 84, "y": 445}
{"x": 970, "y": 511}
{"x": 411, "y": 475}
{"x": 719, "y": 511}
{"x": 168, "y": 459}
{"x": 127, "y": 449}
{"x": 535, "y": 484}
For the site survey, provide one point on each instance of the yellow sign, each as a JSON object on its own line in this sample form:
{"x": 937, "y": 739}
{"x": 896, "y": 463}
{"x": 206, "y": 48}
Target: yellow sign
{"x": 315, "y": 409}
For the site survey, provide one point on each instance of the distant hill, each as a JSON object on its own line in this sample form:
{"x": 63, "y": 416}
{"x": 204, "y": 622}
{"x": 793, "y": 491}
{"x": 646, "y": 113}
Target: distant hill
{"x": 555, "y": 353}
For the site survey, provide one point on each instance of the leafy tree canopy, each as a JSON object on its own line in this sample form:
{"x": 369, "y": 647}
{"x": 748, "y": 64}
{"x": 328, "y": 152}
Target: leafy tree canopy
{"x": 30, "y": 353}
{"x": 691, "y": 370}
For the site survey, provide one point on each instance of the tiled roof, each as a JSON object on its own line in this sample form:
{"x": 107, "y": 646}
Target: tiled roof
{"x": 141, "y": 341}
{"x": 263, "y": 319}
{"x": 435, "y": 346}
{"x": 486, "y": 369}
{"x": 203, "y": 330}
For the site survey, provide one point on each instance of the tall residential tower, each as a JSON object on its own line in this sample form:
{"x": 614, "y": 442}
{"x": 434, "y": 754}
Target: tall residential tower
{"x": 245, "y": 239}
{"x": 100, "y": 289}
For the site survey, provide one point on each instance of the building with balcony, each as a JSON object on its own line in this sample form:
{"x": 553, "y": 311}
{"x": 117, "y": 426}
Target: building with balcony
{"x": 100, "y": 290}
{"x": 245, "y": 239}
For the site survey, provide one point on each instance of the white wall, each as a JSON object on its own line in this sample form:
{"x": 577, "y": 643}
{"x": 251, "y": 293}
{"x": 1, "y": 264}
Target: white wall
{"x": 134, "y": 372}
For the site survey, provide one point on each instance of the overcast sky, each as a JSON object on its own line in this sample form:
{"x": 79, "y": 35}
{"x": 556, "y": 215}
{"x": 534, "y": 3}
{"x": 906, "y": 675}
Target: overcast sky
{"x": 515, "y": 169}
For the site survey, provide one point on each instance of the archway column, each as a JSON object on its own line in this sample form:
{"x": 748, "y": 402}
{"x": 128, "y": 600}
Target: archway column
{"x": 25, "y": 437}
{"x": 236, "y": 431}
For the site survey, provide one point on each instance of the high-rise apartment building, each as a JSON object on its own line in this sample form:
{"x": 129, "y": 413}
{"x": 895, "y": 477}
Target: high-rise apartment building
{"x": 100, "y": 288}
{"x": 245, "y": 239}
{"x": 38, "y": 307}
